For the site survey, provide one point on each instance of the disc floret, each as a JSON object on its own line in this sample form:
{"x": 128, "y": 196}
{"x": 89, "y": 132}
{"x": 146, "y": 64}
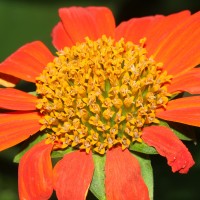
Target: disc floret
{"x": 98, "y": 94}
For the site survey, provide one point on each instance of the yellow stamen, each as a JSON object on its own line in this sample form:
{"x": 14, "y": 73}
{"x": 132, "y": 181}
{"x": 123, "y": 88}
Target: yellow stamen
{"x": 99, "y": 94}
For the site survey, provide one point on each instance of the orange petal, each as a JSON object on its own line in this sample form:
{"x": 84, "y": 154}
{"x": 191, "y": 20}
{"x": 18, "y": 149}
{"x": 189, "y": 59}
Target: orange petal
{"x": 162, "y": 28}
{"x": 123, "y": 177}
{"x": 168, "y": 145}
{"x": 188, "y": 82}
{"x": 90, "y": 22}
{"x": 104, "y": 20}
{"x": 136, "y": 28}
{"x": 154, "y": 28}
{"x": 16, "y": 100}
{"x": 8, "y": 81}
{"x": 180, "y": 50}
{"x": 35, "y": 173}
{"x": 60, "y": 37}
{"x": 183, "y": 110}
{"x": 27, "y": 62}
{"x": 73, "y": 175}
{"x": 15, "y": 127}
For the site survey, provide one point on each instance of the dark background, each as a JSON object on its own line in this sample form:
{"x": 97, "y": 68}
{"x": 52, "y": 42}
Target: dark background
{"x": 23, "y": 21}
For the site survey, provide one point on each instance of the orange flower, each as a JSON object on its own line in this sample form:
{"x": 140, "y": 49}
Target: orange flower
{"x": 105, "y": 92}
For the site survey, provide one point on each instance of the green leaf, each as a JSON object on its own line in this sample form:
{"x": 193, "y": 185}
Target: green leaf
{"x": 28, "y": 144}
{"x": 33, "y": 93}
{"x": 61, "y": 153}
{"x": 147, "y": 171}
{"x": 97, "y": 186}
{"x": 142, "y": 148}
{"x": 183, "y": 132}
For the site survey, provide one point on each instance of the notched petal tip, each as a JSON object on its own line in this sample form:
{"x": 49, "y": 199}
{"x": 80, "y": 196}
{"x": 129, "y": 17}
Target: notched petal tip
{"x": 168, "y": 145}
{"x": 182, "y": 162}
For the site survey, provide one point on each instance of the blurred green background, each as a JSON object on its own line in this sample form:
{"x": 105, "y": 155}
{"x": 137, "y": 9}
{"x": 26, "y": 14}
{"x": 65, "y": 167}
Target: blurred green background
{"x": 23, "y": 21}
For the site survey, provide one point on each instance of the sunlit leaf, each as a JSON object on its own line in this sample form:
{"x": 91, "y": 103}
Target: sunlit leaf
{"x": 147, "y": 171}
{"x": 61, "y": 153}
{"x": 97, "y": 186}
{"x": 33, "y": 93}
{"x": 142, "y": 148}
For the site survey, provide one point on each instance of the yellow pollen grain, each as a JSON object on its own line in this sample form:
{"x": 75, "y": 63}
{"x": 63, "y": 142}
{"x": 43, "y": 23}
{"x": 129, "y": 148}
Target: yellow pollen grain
{"x": 98, "y": 94}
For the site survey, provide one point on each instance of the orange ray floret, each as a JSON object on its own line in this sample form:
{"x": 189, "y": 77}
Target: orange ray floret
{"x": 168, "y": 145}
{"x": 77, "y": 23}
{"x": 123, "y": 177}
{"x": 104, "y": 20}
{"x": 60, "y": 38}
{"x": 179, "y": 50}
{"x": 30, "y": 59}
{"x": 35, "y": 173}
{"x": 16, "y": 100}
{"x": 73, "y": 175}
{"x": 158, "y": 32}
{"x": 188, "y": 82}
{"x": 136, "y": 28}
{"x": 183, "y": 110}
{"x": 15, "y": 127}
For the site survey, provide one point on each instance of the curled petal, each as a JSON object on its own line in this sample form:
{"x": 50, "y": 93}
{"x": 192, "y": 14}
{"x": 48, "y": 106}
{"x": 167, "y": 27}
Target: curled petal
{"x": 123, "y": 176}
{"x": 35, "y": 173}
{"x": 73, "y": 175}
{"x": 168, "y": 145}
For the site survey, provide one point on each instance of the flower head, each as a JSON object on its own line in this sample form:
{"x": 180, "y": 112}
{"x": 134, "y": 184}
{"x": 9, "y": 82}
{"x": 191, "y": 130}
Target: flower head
{"x": 105, "y": 94}
{"x": 105, "y": 87}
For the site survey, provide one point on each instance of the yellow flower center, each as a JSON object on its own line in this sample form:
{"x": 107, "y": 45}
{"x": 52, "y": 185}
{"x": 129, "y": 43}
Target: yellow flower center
{"x": 98, "y": 94}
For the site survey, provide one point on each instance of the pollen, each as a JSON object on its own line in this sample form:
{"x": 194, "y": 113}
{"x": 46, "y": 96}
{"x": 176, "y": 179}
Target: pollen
{"x": 99, "y": 94}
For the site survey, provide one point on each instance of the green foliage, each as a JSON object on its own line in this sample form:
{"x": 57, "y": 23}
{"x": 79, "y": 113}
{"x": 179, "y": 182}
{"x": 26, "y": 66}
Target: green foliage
{"x": 61, "y": 153}
{"x": 147, "y": 171}
{"x": 142, "y": 148}
{"x": 97, "y": 186}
